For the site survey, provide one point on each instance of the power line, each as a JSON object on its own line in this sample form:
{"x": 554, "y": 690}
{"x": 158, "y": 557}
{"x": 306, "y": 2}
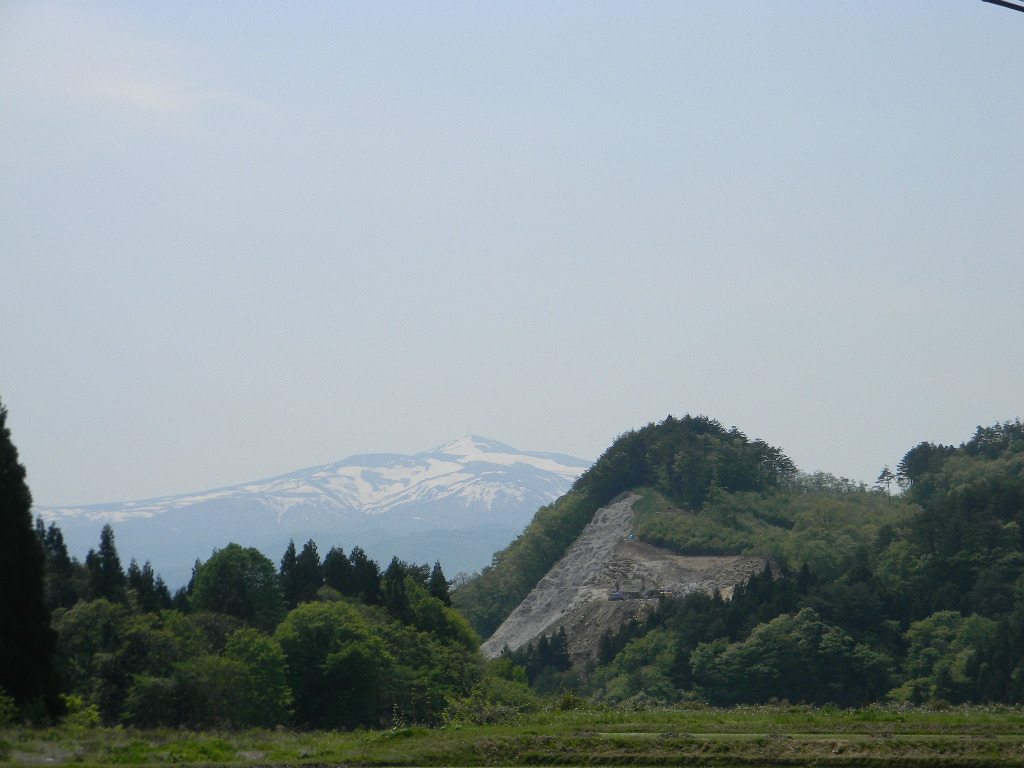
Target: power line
{"x": 1005, "y": 4}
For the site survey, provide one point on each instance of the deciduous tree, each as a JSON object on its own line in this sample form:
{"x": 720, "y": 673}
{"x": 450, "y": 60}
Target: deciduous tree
{"x": 240, "y": 582}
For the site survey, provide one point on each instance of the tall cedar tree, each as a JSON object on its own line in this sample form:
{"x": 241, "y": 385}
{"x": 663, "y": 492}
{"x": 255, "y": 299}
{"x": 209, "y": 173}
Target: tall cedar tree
{"x": 106, "y": 577}
{"x": 289, "y": 586}
{"x": 309, "y": 572}
{"x": 437, "y": 586}
{"x": 338, "y": 571}
{"x": 27, "y": 642}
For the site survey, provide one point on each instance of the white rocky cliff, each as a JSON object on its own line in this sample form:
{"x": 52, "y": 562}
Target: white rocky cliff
{"x": 577, "y": 593}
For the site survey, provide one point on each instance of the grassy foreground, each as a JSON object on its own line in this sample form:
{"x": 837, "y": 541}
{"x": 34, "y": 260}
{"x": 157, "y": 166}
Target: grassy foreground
{"x": 744, "y": 736}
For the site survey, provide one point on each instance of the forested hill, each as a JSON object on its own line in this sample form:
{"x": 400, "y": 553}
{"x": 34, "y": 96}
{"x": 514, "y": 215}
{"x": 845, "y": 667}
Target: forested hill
{"x": 686, "y": 460}
{"x": 915, "y": 597}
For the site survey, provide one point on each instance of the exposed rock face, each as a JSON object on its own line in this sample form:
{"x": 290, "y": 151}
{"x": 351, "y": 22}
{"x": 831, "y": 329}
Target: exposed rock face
{"x": 576, "y": 592}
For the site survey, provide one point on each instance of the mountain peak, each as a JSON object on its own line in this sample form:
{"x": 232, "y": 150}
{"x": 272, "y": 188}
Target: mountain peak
{"x": 471, "y": 445}
{"x": 465, "y": 490}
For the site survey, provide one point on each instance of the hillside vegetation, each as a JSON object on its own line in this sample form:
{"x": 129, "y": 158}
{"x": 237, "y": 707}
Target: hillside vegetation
{"x": 687, "y": 460}
{"x": 912, "y": 598}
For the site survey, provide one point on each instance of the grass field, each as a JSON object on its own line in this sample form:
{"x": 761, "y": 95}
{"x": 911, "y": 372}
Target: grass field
{"x": 743, "y": 736}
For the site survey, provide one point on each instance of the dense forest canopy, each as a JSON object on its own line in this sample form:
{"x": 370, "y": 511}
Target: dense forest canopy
{"x": 332, "y": 643}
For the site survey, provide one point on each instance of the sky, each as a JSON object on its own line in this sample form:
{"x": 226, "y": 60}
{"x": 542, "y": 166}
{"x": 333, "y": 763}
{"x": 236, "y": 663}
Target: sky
{"x": 240, "y": 239}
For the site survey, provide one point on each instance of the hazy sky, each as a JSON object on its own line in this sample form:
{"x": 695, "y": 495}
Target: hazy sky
{"x": 238, "y": 239}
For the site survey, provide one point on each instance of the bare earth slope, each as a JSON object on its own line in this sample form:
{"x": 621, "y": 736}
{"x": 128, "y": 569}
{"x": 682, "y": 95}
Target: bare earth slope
{"x": 575, "y": 592}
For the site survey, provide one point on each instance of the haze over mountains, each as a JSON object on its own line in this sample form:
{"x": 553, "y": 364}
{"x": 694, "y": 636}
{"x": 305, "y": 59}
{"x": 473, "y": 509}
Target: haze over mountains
{"x": 457, "y": 503}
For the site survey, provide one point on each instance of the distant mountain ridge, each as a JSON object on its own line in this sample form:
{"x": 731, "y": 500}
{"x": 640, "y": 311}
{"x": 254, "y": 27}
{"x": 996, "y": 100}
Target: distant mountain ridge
{"x": 458, "y": 502}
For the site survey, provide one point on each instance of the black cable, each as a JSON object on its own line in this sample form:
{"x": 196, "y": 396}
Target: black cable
{"x": 1005, "y": 4}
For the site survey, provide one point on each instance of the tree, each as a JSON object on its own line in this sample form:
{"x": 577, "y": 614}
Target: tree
{"x": 110, "y": 656}
{"x": 921, "y": 460}
{"x": 240, "y": 582}
{"x": 795, "y": 656}
{"x": 395, "y": 591}
{"x": 301, "y": 575}
{"x": 338, "y": 572}
{"x": 268, "y": 696}
{"x": 944, "y": 655}
{"x": 27, "y": 642}
{"x": 148, "y": 590}
{"x": 106, "y": 578}
{"x": 245, "y": 686}
{"x": 66, "y": 578}
{"x": 336, "y": 665}
{"x": 365, "y": 577}
{"x": 885, "y": 479}
{"x": 437, "y": 585}
{"x": 286, "y": 574}
{"x": 91, "y": 666}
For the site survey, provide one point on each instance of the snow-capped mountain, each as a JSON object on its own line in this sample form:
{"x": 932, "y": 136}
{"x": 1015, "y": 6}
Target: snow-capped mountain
{"x": 457, "y": 503}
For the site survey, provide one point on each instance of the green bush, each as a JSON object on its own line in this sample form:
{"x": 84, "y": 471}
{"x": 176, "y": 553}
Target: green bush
{"x": 8, "y": 709}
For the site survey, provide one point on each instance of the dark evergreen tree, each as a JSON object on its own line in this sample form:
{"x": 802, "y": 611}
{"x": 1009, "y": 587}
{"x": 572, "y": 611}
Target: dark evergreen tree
{"x": 106, "y": 578}
{"x": 559, "y": 657}
{"x": 605, "y": 648}
{"x": 27, "y": 642}
{"x": 543, "y": 651}
{"x": 301, "y": 574}
{"x": 309, "y": 574}
{"x": 180, "y": 601}
{"x": 149, "y": 590}
{"x": 289, "y": 586}
{"x": 394, "y": 594}
{"x": 56, "y": 551}
{"x": 365, "y": 576}
{"x": 162, "y": 594}
{"x": 338, "y": 572}
{"x": 437, "y": 585}
{"x": 66, "y": 579}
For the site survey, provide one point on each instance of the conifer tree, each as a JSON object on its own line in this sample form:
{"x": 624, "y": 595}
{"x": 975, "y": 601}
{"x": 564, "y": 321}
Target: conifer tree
{"x": 394, "y": 591}
{"x": 301, "y": 574}
{"x": 106, "y": 577}
{"x": 289, "y": 586}
{"x": 437, "y": 585}
{"x": 309, "y": 573}
{"x": 338, "y": 571}
{"x": 65, "y": 577}
{"x": 149, "y": 590}
{"x": 365, "y": 576}
{"x": 27, "y": 642}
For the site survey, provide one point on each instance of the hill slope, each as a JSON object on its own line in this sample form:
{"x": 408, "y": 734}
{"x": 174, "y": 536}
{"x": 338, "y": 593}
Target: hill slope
{"x": 688, "y": 460}
{"x": 606, "y": 558}
{"x": 914, "y": 598}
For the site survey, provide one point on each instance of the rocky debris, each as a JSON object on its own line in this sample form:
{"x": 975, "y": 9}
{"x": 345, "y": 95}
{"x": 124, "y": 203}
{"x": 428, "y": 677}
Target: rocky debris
{"x": 576, "y": 592}
{"x": 575, "y": 581}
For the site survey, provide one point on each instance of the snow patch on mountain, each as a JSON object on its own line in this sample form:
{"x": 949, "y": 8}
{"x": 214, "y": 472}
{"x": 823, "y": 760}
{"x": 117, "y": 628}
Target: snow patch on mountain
{"x": 467, "y": 484}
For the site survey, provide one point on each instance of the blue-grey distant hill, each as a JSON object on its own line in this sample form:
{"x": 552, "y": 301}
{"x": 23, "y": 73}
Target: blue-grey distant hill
{"x": 457, "y": 503}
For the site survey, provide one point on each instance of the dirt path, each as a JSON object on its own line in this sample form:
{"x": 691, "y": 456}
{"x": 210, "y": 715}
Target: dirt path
{"x": 575, "y": 592}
